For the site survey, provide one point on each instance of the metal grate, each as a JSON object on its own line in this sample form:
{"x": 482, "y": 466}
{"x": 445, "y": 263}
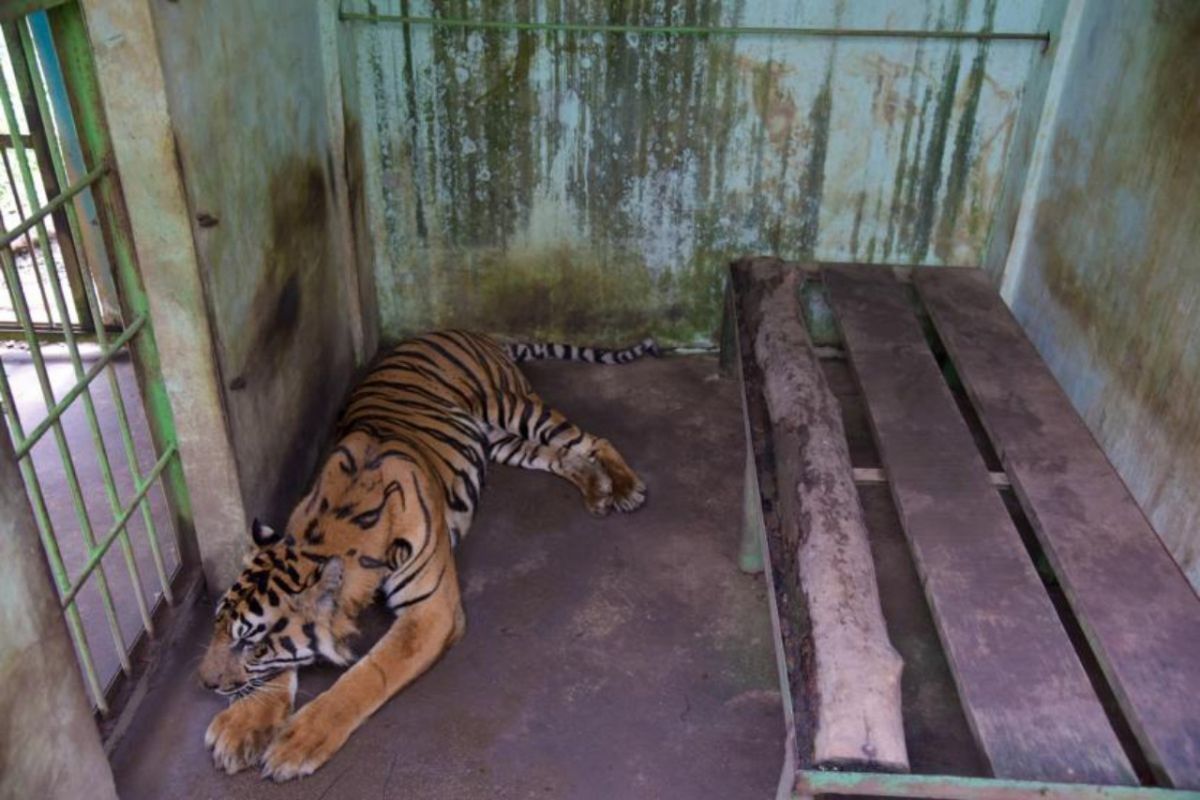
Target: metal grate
{"x": 66, "y": 277}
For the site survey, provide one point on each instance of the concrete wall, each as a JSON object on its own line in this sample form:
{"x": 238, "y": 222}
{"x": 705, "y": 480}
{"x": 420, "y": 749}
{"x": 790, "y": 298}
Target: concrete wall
{"x": 135, "y": 105}
{"x": 1104, "y": 273}
{"x": 49, "y": 746}
{"x": 594, "y": 186}
{"x": 251, "y": 87}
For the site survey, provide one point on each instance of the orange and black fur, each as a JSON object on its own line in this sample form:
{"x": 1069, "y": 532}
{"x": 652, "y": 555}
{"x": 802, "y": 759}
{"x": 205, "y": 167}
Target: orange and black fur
{"x": 389, "y": 504}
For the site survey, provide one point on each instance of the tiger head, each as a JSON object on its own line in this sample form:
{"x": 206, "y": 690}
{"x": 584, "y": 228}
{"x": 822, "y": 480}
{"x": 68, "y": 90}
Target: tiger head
{"x": 282, "y": 613}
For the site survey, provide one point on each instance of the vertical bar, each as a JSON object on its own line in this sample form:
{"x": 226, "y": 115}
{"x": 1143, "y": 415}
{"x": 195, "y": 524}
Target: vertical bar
{"x": 751, "y": 557}
{"x": 48, "y": 396}
{"x": 95, "y": 312}
{"x": 93, "y": 255}
{"x": 64, "y": 451}
{"x": 37, "y": 121}
{"x": 58, "y": 569}
{"x": 37, "y": 275}
{"x": 110, "y": 489}
{"x": 71, "y": 40}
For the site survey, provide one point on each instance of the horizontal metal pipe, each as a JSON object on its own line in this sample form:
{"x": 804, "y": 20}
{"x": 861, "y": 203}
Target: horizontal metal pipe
{"x": 955, "y": 787}
{"x": 25, "y": 445}
{"x": 697, "y": 30}
{"x": 102, "y": 546}
{"x": 38, "y": 215}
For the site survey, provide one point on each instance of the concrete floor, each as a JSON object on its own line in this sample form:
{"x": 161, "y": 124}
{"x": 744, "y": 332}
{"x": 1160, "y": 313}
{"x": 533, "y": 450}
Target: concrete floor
{"x": 31, "y": 408}
{"x": 617, "y": 658}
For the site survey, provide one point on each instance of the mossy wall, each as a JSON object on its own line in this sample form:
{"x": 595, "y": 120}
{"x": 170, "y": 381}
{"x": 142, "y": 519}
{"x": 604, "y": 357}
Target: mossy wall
{"x": 594, "y": 186}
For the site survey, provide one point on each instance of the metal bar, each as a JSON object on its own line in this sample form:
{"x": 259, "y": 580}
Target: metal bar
{"x": 100, "y": 549}
{"x": 25, "y": 445}
{"x": 37, "y": 216}
{"x": 694, "y": 30}
{"x": 6, "y": 139}
{"x": 64, "y": 450}
{"x": 955, "y": 787}
{"x": 47, "y": 332}
{"x": 50, "y": 546}
{"x": 15, "y": 9}
{"x": 37, "y": 274}
{"x": 74, "y": 49}
{"x": 89, "y": 411}
{"x": 37, "y": 118}
{"x": 94, "y": 309}
{"x": 93, "y": 255}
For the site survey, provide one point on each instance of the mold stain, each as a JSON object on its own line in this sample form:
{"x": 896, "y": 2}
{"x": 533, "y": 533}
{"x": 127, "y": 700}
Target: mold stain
{"x": 813, "y": 182}
{"x": 1114, "y": 246}
{"x": 960, "y": 162}
{"x": 673, "y": 153}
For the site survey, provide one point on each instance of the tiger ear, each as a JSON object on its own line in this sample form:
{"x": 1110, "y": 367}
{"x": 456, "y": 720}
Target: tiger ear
{"x": 264, "y": 535}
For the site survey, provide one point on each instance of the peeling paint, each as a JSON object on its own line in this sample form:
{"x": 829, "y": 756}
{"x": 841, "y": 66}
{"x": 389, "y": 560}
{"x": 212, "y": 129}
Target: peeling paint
{"x": 672, "y": 155}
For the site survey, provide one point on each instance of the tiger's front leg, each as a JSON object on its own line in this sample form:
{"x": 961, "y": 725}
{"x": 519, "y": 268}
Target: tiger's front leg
{"x": 426, "y": 629}
{"x": 239, "y": 735}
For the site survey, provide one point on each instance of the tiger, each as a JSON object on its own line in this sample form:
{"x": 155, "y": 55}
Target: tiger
{"x": 394, "y": 496}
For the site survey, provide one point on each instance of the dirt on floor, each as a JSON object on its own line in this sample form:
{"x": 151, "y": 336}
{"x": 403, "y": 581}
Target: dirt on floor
{"x": 624, "y": 657}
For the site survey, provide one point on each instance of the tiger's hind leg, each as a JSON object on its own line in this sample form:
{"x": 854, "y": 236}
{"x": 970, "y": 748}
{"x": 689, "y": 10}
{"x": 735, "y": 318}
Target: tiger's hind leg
{"x": 592, "y": 481}
{"x": 531, "y": 434}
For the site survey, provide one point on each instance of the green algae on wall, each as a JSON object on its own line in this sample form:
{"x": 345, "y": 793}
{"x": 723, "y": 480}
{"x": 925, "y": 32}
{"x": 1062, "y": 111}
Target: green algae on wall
{"x": 591, "y": 185}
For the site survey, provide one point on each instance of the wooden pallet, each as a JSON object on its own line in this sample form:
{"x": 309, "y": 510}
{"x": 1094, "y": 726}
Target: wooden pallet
{"x": 1032, "y": 708}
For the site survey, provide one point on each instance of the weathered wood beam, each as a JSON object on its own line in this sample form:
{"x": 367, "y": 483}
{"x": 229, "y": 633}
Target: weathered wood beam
{"x": 855, "y": 680}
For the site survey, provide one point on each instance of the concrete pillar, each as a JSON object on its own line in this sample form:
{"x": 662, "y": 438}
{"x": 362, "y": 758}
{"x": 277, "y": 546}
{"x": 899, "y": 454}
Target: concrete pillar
{"x": 49, "y": 745}
{"x": 135, "y": 104}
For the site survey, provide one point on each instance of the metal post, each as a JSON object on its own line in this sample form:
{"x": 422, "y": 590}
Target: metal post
{"x": 751, "y": 556}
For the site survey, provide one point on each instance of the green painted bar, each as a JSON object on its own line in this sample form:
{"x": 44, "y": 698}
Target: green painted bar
{"x": 118, "y": 527}
{"x": 64, "y": 451}
{"x": 699, "y": 30}
{"x": 35, "y": 110}
{"x": 58, "y": 570}
{"x": 954, "y": 787}
{"x": 37, "y": 273}
{"x": 93, "y": 308}
{"x": 750, "y": 555}
{"x": 93, "y": 420}
{"x": 35, "y": 219}
{"x": 59, "y": 408}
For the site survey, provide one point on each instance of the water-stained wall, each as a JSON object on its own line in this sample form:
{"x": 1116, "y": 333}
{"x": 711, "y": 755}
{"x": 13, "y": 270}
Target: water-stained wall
{"x": 594, "y": 185}
{"x": 250, "y": 109}
{"x": 1107, "y": 281}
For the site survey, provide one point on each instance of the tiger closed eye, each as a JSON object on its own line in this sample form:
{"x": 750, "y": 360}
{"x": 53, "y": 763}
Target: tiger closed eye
{"x": 241, "y": 644}
{"x": 367, "y": 519}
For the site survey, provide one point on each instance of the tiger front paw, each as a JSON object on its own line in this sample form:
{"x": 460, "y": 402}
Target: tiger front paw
{"x": 239, "y": 735}
{"x": 310, "y": 738}
{"x": 627, "y": 493}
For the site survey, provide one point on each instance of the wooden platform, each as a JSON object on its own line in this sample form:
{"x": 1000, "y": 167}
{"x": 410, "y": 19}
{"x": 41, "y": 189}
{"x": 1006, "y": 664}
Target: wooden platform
{"x": 1036, "y": 712}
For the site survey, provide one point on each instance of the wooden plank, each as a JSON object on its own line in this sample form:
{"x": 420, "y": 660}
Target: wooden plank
{"x": 1137, "y": 609}
{"x": 1028, "y": 699}
{"x": 854, "y": 676}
